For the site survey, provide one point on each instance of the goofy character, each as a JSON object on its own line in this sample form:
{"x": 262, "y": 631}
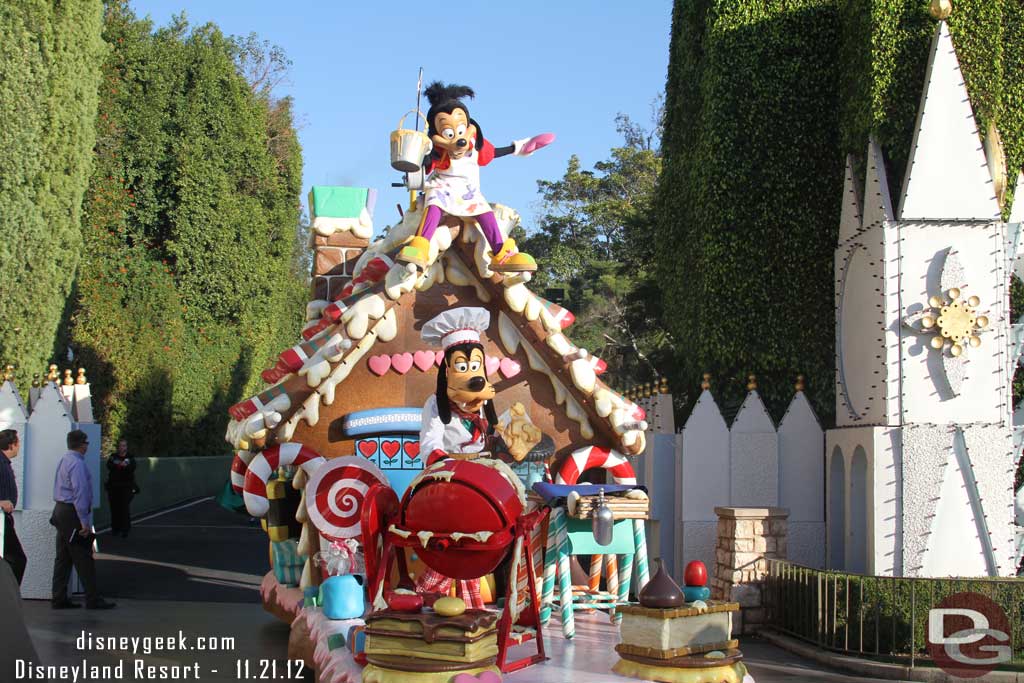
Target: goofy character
{"x": 452, "y": 184}
{"x": 458, "y": 420}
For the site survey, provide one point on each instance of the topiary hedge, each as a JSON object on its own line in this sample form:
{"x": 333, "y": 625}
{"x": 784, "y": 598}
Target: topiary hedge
{"x": 50, "y": 56}
{"x": 188, "y": 286}
{"x": 763, "y": 102}
{"x": 747, "y": 216}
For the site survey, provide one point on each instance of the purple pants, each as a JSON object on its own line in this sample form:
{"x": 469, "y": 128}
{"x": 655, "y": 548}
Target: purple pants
{"x": 488, "y": 223}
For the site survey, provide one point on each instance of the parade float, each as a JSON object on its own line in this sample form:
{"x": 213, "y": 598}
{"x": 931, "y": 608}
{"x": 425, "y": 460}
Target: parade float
{"x": 420, "y": 457}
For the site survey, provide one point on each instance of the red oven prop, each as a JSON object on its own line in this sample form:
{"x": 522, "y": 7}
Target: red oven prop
{"x": 463, "y": 518}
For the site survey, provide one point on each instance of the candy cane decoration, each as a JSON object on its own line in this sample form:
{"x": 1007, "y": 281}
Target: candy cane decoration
{"x": 594, "y": 577}
{"x": 254, "y": 490}
{"x": 239, "y": 466}
{"x": 593, "y": 456}
{"x": 335, "y": 493}
{"x": 548, "y": 591}
{"x": 291, "y": 360}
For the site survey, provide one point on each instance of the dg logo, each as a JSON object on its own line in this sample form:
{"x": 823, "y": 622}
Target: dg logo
{"x": 968, "y": 635}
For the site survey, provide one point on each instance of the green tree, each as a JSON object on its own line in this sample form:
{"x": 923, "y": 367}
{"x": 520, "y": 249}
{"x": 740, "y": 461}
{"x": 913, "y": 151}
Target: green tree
{"x": 594, "y": 253}
{"x": 191, "y": 285}
{"x": 50, "y": 55}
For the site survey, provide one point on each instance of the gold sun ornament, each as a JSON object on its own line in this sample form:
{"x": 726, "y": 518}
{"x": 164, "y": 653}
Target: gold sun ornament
{"x": 953, "y": 321}
{"x": 950, "y": 324}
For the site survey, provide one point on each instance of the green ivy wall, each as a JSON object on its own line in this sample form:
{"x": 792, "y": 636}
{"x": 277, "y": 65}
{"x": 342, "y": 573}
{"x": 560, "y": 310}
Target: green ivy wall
{"x": 763, "y": 102}
{"x": 50, "y": 56}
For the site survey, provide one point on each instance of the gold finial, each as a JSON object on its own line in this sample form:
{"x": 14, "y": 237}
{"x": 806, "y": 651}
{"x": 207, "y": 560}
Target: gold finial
{"x": 67, "y": 378}
{"x": 81, "y": 377}
{"x": 706, "y": 382}
{"x": 751, "y": 382}
{"x": 800, "y": 386}
{"x": 8, "y": 372}
{"x": 35, "y": 381}
{"x": 647, "y": 389}
{"x": 940, "y": 9}
{"x": 52, "y": 375}
{"x": 663, "y": 387}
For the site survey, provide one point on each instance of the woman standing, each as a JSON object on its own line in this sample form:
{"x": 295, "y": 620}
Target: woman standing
{"x": 121, "y": 488}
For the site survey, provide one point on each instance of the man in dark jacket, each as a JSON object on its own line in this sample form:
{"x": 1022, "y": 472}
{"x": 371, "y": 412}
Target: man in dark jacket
{"x": 13, "y": 553}
{"x": 121, "y": 489}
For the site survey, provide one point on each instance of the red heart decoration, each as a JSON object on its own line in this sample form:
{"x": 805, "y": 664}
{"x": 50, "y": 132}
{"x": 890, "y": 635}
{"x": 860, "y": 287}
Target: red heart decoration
{"x": 509, "y": 367}
{"x": 401, "y": 362}
{"x": 390, "y": 448}
{"x": 411, "y": 448}
{"x": 380, "y": 364}
{"x": 368, "y": 448}
{"x": 424, "y": 360}
{"x": 438, "y": 358}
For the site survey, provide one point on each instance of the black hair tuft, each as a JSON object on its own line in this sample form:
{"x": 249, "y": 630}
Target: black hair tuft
{"x": 438, "y": 93}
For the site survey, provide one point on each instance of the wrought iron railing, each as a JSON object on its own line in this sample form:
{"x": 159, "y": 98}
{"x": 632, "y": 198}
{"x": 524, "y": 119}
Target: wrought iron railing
{"x": 877, "y": 617}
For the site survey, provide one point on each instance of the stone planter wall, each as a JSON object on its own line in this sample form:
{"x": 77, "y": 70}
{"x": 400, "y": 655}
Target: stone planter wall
{"x": 747, "y": 539}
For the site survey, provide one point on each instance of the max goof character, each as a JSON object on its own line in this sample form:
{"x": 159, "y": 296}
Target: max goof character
{"x": 452, "y": 184}
{"x": 458, "y": 420}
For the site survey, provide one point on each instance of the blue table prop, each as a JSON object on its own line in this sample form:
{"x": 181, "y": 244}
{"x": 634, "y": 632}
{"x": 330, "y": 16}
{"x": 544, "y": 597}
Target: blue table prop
{"x": 567, "y": 537}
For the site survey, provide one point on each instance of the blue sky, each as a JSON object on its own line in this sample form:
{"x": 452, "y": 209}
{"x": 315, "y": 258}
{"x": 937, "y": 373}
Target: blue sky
{"x": 567, "y": 67}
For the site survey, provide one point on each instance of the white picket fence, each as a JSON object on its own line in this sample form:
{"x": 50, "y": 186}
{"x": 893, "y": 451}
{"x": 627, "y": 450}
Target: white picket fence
{"x": 42, "y": 429}
{"x": 751, "y": 463}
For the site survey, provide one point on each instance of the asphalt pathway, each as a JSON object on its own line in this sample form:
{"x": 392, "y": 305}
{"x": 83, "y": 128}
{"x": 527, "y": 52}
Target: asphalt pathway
{"x": 193, "y": 573}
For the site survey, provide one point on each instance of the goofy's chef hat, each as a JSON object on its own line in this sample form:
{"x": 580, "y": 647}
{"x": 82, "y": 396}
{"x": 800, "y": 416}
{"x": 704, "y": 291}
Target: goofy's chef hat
{"x": 456, "y": 326}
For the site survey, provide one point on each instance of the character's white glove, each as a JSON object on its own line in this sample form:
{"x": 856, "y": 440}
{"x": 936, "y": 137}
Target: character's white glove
{"x": 527, "y": 146}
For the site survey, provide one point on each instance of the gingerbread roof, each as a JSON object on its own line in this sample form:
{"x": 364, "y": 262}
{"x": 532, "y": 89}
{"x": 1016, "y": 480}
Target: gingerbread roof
{"x": 342, "y": 332}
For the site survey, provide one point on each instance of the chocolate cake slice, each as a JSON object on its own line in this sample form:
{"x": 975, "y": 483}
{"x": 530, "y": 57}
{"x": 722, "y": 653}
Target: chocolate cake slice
{"x": 468, "y": 638}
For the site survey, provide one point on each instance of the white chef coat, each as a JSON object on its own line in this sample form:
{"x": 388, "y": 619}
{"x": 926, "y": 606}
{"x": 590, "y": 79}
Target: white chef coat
{"x": 436, "y": 435}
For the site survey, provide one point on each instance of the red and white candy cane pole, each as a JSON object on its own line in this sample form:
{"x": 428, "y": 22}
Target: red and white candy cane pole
{"x": 266, "y": 463}
{"x": 239, "y": 466}
{"x": 593, "y": 456}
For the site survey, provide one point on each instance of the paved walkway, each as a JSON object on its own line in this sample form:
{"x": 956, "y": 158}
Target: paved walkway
{"x": 193, "y": 572}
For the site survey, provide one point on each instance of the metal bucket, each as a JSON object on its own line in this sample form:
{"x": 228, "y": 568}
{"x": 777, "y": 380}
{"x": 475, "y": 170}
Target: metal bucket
{"x": 408, "y": 147}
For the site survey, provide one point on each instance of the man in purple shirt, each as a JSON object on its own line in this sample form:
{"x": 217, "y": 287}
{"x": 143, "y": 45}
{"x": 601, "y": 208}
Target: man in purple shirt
{"x": 72, "y": 515}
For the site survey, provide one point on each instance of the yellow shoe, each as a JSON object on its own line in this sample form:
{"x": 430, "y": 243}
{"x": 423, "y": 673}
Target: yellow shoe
{"x": 510, "y": 260}
{"x": 416, "y": 251}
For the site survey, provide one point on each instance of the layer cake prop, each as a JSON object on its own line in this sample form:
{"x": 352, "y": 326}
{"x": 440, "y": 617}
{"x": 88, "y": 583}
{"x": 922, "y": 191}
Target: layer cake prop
{"x": 665, "y": 638}
{"x": 426, "y": 646}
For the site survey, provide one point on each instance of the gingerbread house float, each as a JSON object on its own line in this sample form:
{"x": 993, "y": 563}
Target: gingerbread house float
{"x": 356, "y": 381}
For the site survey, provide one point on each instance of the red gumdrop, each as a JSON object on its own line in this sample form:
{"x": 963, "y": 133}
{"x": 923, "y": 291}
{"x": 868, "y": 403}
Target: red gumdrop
{"x": 696, "y": 574}
{"x": 403, "y": 602}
